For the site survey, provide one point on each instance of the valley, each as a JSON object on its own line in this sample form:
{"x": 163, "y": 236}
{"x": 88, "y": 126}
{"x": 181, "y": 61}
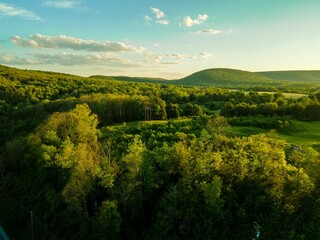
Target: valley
{"x": 154, "y": 159}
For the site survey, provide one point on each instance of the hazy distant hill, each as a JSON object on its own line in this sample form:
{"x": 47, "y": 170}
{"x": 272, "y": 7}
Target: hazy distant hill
{"x": 223, "y": 77}
{"x": 301, "y": 76}
{"x": 298, "y": 81}
{"x": 132, "y": 79}
{"x": 219, "y": 77}
{"x": 17, "y": 73}
{"x": 232, "y": 78}
{"x": 303, "y": 81}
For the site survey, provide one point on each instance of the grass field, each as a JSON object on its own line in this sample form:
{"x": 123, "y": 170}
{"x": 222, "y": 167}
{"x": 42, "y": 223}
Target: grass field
{"x": 245, "y": 130}
{"x": 307, "y": 136}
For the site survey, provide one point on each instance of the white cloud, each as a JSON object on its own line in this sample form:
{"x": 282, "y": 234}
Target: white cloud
{"x": 147, "y": 18}
{"x": 153, "y": 57}
{"x": 165, "y": 58}
{"x": 74, "y": 59}
{"x": 158, "y": 59}
{"x": 163, "y": 22}
{"x": 177, "y": 56}
{"x": 9, "y": 59}
{"x": 67, "y": 59}
{"x": 189, "y": 22}
{"x": 10, "y": 10}
{"x": 159, "y": 14}
{"x": 169, "y": 63}
{"x": 205, "y": 55}
{"x": 202, "y": 17}
{"x": 39, "y": 41}
{"x": 209, "y": 31}
{"x": 62, "y": 4}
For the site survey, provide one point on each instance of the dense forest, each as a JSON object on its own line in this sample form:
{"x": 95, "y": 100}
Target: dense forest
{"x": 99, "y": 158}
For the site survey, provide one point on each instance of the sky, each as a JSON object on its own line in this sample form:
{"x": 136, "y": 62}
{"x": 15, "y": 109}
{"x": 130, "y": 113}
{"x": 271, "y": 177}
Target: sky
{"x": 159, "y": 38}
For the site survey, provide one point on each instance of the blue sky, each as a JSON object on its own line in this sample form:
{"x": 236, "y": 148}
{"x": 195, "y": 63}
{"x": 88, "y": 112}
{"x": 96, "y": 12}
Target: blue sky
{"x": 159, "y": 38}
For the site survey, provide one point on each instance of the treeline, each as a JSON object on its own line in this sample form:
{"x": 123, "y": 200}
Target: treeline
{"x": 306, "y": 108}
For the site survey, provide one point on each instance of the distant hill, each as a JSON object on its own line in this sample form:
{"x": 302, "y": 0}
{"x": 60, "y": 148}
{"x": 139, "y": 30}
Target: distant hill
{"x": 300, "y": 76}
{"x": 297, "y": 81}
{"x": 131, "y": 79}
{"x": 230, "y": 78}
{"x": 238, "y": 79}
{"x": 11, "y": 73}
{"x": 217, "y": 77}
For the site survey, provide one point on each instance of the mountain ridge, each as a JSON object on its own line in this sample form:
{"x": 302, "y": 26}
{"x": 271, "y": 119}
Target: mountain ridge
{"x": 214, "y": 77}
{"x": 293, "y": 75}
{"x": 223, "y": 77}
{"x": 228, "y": 77}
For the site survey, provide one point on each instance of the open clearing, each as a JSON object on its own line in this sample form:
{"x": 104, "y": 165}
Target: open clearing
{"x": 307, "y": 136}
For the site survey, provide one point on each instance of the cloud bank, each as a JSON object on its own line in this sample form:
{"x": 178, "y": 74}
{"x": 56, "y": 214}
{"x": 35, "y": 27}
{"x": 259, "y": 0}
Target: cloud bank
{"x": 68, "y": 59}
{"x": 74, "y": 59}
{"x": 9, "y": 59}
{"x": 38, "y": 41}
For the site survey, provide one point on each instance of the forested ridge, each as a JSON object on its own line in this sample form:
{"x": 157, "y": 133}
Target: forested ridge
{"x": 293, "y": 81}
{"x": 97, "y": 158}
{"x": 302, "y": 76}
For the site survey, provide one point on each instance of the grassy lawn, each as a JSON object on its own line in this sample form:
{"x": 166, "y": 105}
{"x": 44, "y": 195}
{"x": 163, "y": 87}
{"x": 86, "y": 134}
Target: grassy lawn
{"x": 307, "y": 136}
{"x": 245, "y": 131}
{"x": 294, "y": 95}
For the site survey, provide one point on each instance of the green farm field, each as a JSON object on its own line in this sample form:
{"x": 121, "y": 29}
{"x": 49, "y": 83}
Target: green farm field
{"x": 307, "y": 134}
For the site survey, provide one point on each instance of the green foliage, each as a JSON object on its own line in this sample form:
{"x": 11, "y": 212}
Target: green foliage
{"x": 107, "y": 222}
{"x": 173, "y": 110}
{"x": 192, "y": 110}
{"x": 217, "y": 124}
{"x": 302, "y": 109}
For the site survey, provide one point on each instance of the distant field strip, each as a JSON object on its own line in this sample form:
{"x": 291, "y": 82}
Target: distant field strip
{"x": 288, "y": 95}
